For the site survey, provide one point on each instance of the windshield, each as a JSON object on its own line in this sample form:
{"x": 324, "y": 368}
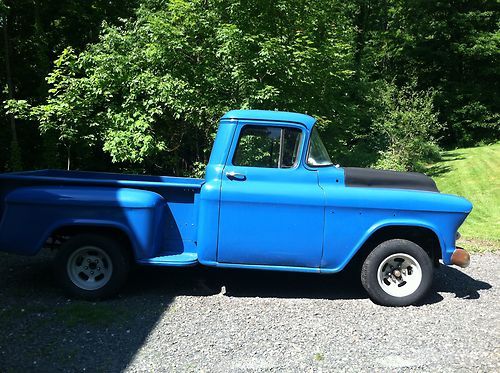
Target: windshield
{"x": 317, "y": 156}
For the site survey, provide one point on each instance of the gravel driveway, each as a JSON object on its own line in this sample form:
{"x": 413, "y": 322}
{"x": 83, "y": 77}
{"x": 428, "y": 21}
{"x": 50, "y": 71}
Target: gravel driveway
{"x": 209, "y": 320}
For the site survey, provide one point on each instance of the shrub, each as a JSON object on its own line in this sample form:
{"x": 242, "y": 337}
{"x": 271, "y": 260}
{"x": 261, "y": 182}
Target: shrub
{"x": 406, "y": 128}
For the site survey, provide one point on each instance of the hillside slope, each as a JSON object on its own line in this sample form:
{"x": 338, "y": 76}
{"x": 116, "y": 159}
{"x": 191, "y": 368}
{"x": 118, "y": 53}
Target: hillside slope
{"x": 474, "y": 173}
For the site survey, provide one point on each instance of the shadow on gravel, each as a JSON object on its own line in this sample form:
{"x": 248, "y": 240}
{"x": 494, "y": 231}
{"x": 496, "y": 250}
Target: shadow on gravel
{"x": 245, "y": 283}
{"x": 200, "y": 281}
{"x": 451, "y": 280}
{"x": 44, "y": 331}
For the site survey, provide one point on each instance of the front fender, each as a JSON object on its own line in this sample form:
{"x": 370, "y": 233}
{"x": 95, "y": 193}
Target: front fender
{"x": 344, "y": 240}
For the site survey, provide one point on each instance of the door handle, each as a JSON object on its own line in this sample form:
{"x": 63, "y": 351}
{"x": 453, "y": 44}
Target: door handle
{"x": 235, "y": 176}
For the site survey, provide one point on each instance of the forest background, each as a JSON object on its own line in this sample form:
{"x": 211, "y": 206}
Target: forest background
{"x": 139, "y": 85}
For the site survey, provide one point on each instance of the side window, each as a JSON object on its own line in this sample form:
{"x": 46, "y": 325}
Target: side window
{"x": 270, "y": 147}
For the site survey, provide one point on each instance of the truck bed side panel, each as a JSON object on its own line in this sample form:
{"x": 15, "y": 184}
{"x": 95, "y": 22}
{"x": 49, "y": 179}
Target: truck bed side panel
{"x": 34, "y": 203}
{"x": 33, "y": 213}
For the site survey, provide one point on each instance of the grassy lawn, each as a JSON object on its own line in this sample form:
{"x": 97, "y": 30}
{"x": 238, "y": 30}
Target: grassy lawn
{"x": 475, "y": 174}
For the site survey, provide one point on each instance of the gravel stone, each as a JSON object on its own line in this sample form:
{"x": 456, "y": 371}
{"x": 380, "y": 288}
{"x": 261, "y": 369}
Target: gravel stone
{"x": 208, "y": 320}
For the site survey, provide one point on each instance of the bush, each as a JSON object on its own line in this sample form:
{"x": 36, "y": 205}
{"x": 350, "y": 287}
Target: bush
{"x": 406, "y": 128}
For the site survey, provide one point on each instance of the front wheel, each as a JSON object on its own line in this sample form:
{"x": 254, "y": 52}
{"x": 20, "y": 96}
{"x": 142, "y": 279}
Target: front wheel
{"x": 397, "y": 273}
{"x": 91, "y": 266}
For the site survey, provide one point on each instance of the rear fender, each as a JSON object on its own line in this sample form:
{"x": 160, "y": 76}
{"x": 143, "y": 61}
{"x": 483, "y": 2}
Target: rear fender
{"x": 75, "y": 226}
{"x": 32, "y": 214}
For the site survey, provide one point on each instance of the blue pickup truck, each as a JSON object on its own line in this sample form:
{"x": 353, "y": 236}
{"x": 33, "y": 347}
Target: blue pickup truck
{"x": 271, "y": 200}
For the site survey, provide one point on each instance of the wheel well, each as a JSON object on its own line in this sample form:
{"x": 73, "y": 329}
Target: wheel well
{"x": 62, "y": 234}
{"x": 423, "y": 237}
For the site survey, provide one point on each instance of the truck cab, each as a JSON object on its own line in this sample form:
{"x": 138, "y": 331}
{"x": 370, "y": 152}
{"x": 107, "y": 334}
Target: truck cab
{"x": 269, "y": 203}
{"x": 272, "y": 199}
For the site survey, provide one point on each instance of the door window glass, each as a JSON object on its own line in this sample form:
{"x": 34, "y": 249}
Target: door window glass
{"x": 270, "y": 147}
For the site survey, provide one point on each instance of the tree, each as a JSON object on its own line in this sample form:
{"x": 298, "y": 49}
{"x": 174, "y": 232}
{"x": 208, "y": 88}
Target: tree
{"x": 38, "y": 31}
{"x": 143, "y": 91}
{"x": 150, "y": 91}
{"x": 451, "y": 47}
{"x": 14, "y": 162}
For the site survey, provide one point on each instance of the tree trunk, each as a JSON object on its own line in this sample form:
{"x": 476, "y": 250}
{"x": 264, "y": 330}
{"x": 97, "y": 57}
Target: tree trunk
{"x": 360, "y": 23}
{"x": 15, "y": 156}
{"x": 42, "y": 49}
{"x": 68, "y": 161}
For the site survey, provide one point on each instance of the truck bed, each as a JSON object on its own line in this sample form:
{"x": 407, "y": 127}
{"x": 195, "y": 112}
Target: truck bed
{"x": 176, "y": 234}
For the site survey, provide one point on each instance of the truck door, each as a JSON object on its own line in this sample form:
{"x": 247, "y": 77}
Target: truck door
{"x": 272, "y": 208}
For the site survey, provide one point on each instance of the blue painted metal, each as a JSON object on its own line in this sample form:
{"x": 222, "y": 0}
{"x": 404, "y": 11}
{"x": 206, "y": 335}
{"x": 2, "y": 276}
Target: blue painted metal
{"x": 299, "y": 219}
{"x": 262, "y": 218}
{"x": 59, "y": 177}
{"x": 359, "y": 212}
{"x": 271, "y": 116}
{"x": 158, "y": 221}
{"x": 174, "y": 260}
{"x": 39, "y": 211}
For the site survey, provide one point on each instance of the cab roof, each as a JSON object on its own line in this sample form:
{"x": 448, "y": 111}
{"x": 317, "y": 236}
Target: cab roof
{"x": 275, "y": 116}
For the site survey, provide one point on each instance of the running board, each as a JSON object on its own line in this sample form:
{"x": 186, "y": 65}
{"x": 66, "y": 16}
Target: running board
{"x": 174, "y": 260}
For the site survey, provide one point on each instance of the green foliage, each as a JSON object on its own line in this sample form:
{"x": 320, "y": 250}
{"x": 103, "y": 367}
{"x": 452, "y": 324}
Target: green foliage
{"x": 3, "y": 8}
{"x": 451, "y": 47}
{"x": 406, "y": 126}
{"x": 151, "y": 91}
{"x": 139, "y": 85}
{"x": 258, "y": 149}
{"x": 319, "y": 356}
{"x": 36, "y": 33}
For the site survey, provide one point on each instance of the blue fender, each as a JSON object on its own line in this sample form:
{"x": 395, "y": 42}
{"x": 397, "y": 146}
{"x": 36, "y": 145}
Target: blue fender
{"x": 340, "y": 249}
{"x": 32, "y": 214}
{"x": 341, "y": 264}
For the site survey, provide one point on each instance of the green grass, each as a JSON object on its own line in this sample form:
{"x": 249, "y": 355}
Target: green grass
{"x": 319, "y": 357}
{"x": 71, "y": 314}
{"x": 95, "y": 314}
{"x": 474, "y": 173}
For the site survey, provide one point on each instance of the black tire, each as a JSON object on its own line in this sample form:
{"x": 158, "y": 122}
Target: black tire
{"x": 113, "y": 256}
{"x": 382, "y": 254}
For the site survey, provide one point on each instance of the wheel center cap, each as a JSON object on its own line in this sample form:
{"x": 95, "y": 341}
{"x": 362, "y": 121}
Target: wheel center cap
{"x": 396, "y": 273}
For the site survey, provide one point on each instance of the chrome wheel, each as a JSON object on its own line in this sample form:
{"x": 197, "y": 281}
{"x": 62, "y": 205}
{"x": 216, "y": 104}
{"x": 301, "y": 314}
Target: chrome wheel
{"x": 89, "y": 268}
{"x": 399, "y": 275}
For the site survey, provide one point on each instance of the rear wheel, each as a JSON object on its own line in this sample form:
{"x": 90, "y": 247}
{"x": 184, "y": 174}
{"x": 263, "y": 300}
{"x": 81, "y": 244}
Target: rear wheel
{"x": 91, "y": 266}
{"x": 397, "y": 273}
